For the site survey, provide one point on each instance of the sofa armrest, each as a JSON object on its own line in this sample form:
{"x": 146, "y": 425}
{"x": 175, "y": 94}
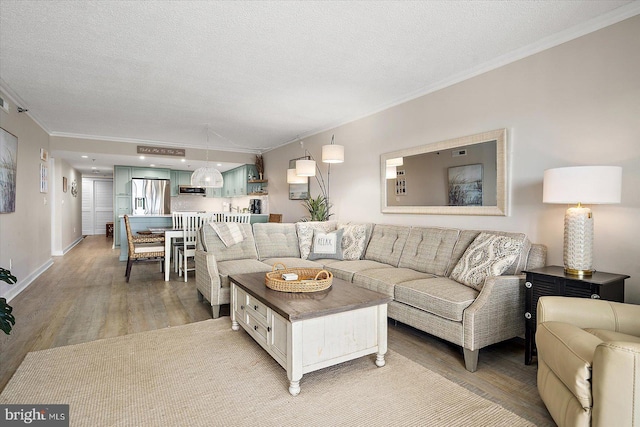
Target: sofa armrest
{"x": 568, "y": 352}
{"x": 616, "y": 384}
{"x": 590, "y": 313}
{"x": 496, "y": 314}
{"x": 207, "y": 276}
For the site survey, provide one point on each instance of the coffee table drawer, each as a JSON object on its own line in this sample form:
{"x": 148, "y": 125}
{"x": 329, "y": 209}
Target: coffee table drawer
{"x": 257, "y": 308}
{"x": 258, "y": 329}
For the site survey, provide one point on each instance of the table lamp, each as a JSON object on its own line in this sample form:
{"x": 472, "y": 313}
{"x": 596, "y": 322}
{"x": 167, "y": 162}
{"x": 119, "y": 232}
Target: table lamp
{"x": 578, "y": 185}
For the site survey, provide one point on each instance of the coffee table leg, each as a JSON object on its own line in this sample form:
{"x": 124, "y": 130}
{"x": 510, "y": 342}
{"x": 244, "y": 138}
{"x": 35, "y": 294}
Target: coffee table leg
{"x": 382, "y": 335}
{"x": 294, "y": 388}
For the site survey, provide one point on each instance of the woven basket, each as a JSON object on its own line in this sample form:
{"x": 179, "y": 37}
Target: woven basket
{"x": 309, "y": 279}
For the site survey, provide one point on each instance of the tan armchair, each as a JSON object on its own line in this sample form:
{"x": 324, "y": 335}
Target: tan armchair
{"x": 589, "y": 361}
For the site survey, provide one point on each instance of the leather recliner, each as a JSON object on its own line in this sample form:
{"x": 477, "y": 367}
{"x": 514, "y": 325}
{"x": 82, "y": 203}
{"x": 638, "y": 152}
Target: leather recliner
{"x": 589, "y": 361}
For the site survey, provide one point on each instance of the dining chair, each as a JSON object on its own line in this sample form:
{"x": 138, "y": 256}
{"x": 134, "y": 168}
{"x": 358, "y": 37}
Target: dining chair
{"x": 190, "y": 227}
{"x": 176, "y": 222}
{"x": 143, "y": 248}
{"x": 244, "y": 218}
{"x": 212, "y": 217}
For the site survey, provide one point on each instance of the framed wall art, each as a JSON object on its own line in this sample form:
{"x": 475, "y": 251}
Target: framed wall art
{"x": 465, "y": 185}
{"x": 298, "y": 191}
{"x": 44, "y": 178}
{"x": 8, "y": 171}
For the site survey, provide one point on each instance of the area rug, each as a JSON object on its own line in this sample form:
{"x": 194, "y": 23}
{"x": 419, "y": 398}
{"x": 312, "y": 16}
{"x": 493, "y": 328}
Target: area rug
{"x": 206, "y": 374}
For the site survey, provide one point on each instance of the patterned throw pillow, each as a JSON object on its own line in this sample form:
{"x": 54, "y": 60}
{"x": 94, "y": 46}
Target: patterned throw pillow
{"x": 229, "y": 232}
{"x": 305, "y": 234}
{"x": 354, "y": 240}
{"x": 326, "y": 245}
{"x": 487, "y": 256}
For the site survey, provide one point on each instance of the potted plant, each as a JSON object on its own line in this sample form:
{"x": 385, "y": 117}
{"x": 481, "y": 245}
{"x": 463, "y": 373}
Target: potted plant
{"x": 318, "y": 208}
{"x": 260, "y": 166}
{"x": 6, "y": 318}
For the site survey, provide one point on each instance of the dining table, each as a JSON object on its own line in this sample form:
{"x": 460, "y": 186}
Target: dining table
{"x": 170, "y": 233}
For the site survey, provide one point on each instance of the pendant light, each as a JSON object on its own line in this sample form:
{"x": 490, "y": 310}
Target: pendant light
{"x": 207, "y": 176}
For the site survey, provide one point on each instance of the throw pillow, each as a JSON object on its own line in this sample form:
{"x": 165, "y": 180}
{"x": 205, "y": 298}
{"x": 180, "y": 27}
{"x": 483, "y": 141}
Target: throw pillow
{"x": 229, "y": 232}
{"x": 354, "y": 240}
{"x": 326, "y": 245}
{"x": 487, "y": 256}
{"x": 305, "y": 234}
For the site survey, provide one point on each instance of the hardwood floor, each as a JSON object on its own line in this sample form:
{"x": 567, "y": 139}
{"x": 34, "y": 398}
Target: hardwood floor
{"x": 84, "y": 297}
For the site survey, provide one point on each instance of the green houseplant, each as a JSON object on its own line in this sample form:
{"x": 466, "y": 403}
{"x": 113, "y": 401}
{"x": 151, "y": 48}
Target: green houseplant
{"x": 6, "y": 318}
{"x": 318, "y": 208}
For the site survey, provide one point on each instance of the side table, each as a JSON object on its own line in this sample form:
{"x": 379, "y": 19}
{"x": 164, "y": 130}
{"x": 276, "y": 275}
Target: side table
{"x": 552, "y": 280}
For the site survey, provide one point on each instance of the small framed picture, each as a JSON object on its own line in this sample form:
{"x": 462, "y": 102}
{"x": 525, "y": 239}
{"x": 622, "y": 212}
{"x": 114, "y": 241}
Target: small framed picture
{"x": 44, "y": 155}
{"x": 64, "y": 184}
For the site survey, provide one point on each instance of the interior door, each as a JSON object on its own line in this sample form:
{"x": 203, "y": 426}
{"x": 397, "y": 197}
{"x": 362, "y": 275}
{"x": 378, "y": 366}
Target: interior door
{"x": 97, "y": 205}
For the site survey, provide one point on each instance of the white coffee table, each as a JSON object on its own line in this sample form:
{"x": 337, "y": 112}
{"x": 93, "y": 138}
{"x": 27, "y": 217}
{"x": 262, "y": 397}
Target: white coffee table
{"x": 305, "y": 332}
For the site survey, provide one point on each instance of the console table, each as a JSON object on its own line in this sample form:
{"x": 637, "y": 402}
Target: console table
{"x": 552, "y": 280}
{"x": 305, "y": 332}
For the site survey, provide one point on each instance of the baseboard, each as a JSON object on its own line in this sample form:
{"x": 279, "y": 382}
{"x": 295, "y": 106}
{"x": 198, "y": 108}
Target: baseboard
{"x": 21, "y": 285}
{"x": 68, "y": 248}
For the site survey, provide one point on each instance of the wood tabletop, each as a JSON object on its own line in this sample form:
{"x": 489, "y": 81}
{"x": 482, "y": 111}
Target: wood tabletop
{"x": 341, "y": 296}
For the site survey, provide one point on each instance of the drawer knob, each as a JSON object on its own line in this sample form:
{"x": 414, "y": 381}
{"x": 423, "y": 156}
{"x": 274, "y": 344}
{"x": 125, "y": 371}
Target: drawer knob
{"x": 268, "y": 328}
{"x": 255, "y": 327}
{"x": 242, "y": 307}
{"x": 595, "y": 296}
{"x": 527, "y": 315}
{"x": 528, "y": 285}
{"x": 255, "y": 307}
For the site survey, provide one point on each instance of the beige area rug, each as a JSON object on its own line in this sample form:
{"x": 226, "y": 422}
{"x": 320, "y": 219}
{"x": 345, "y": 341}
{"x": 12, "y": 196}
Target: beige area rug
{"x": 206, "y": 374}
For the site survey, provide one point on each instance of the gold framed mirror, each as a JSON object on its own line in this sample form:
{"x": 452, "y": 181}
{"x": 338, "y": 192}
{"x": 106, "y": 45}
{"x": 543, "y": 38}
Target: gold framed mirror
{"x": 461, "y": 176}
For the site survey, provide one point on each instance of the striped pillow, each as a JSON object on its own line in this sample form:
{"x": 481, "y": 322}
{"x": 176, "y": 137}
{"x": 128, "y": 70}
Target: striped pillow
{"x": 229, "y": 232}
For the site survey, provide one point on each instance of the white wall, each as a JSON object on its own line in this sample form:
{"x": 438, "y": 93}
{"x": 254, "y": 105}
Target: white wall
{"x": 67, "y": 216}
{"x": 25, "y": 235}
{"x": 575, "y": 104}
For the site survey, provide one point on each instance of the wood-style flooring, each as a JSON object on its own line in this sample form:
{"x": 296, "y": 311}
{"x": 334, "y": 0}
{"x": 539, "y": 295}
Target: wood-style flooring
{"x": 84, "y": 297}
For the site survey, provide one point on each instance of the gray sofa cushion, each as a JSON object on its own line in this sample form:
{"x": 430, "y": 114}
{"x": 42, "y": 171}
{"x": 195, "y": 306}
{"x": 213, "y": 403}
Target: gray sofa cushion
{"x": 244, "y": 250}
{"x": 384, "y": 280}
{"x": 291, "y": 262}
{"x": 346, "y": 269}
{"x": 227, "y": 268}
{"x": 440, "y": 296}
{"x": 386, "y": 244}
{"x": 276, "y": 240}
{"x": 429, "y": 249}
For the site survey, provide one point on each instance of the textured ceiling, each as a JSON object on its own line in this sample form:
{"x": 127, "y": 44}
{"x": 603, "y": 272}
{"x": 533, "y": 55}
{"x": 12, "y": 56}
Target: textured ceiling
{"x": 259, "y": 73}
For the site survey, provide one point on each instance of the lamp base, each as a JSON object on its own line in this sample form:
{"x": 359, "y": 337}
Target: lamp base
{"x": 578, "y": 241}
{"x": 579, "y": 273}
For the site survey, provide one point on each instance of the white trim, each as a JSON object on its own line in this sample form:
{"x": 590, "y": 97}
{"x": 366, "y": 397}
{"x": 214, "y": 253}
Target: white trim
{"x": 68, "y": 248}
{"x": 14, "y": 290}
{"x": 17, "y": 101}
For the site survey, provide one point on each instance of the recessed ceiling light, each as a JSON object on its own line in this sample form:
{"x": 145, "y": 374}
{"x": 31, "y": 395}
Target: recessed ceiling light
{"x": 93, "y": 167}
{"x": 141, "y": 157}
{"x": 152, "y": 165}
{"x": 85, "y": 157}
{"x": 183, "y": 160}
{"x": 218, "y": 164}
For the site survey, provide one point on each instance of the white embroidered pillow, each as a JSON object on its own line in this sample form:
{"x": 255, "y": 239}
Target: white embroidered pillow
{"x": 488, "y": 255}
{"x": 354, "y": 240}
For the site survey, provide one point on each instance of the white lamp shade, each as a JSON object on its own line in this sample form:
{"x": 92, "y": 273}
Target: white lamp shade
{"x": 392, "y": 173}
{"x": 207, "y": 177}
{"x": 398, "y": 161}
{"x": 305, "y": 167}
{"x": 332, "y": 153}
{"x": 582, "y": 184}
{"x": 292, "y": 178}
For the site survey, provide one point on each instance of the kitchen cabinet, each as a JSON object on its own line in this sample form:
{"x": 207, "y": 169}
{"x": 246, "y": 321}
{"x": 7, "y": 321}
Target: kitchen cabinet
{"x": 179, "y": 178}
{"x": 122, "y": 207}
{"x": 150, "y": 173}
{"x": 122, "y": 180}
{"x": 242, "y": 181}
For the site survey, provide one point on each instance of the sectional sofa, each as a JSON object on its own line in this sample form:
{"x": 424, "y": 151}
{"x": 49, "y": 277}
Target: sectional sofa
{"x": 464, "y": 286}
